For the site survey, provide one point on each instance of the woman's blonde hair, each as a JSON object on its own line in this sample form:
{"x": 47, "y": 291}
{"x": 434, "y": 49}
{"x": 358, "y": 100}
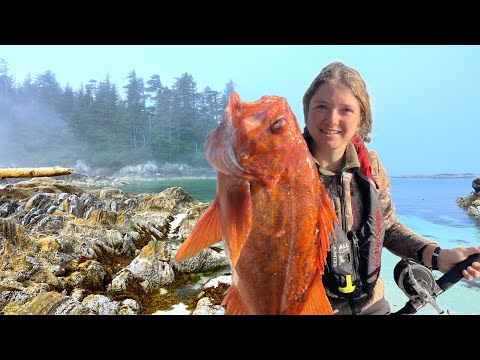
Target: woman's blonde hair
{"x": 338, "y": 72}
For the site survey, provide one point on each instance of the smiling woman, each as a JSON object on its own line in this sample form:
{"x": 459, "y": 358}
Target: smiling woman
{"x": 337, "y": 114}
{"x": 334, "y": 117}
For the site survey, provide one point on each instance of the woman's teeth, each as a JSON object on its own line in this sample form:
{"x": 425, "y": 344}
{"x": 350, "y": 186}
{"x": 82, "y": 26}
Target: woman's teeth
{"x": 330, "y": 132}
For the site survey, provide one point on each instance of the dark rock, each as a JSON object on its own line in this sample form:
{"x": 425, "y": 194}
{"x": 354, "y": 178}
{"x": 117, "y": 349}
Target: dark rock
{"x": 476, "y": 185}
{"x": 7, "y": 208}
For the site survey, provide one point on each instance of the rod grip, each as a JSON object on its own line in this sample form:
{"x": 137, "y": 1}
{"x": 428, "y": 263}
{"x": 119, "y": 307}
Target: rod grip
{"x": 452, "y": 276}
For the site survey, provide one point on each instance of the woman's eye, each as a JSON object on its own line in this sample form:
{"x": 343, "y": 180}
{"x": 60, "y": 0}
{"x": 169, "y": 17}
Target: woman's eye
{"x": 278, "y": 124}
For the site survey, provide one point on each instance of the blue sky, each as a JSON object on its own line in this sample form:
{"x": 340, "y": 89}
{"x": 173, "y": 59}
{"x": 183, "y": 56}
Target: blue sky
{"x": 424, "y": 97}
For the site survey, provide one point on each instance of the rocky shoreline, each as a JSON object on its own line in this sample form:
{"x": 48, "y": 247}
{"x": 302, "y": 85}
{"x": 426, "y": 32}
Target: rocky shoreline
{"x": 472, "y": 202}
{"x": 67, "y": 250}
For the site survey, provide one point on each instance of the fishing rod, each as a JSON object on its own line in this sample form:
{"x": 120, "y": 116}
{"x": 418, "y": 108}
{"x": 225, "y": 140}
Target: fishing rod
{"x": 418, "y": 283}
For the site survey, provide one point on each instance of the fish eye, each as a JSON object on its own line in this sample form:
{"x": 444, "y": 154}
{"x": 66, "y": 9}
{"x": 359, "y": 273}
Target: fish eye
{"x": 278, "y": 124}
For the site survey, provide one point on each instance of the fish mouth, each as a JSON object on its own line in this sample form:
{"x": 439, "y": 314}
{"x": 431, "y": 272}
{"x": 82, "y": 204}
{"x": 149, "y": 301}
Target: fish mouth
{"x": 220, "y": 153}
{"x": 232, "y": 162}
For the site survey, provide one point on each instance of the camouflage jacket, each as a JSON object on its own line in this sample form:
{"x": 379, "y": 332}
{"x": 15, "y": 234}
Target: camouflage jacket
{"x": 398, "y": 238}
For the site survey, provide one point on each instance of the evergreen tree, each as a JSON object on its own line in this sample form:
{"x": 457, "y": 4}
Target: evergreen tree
{"x": 184, "y": 121}
{"x": 154, "y": 88}
{"x": 135, "y": 113}
{"x": 26, "y": 92}
{"x": 79, "y": 121}
{"x": 229, "y": 88}
{"x": 162, "y": 131}
{"x": 66, "y": 105}
{"x": 48, "y": 91}
{"x": 90, "y": 90}
{"x": 6, "y": 83}
{"x": 108, "y": 139}
{"x": 208, "y": 119}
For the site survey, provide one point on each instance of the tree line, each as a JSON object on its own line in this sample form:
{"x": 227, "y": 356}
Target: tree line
{"x": 96, "y": 123}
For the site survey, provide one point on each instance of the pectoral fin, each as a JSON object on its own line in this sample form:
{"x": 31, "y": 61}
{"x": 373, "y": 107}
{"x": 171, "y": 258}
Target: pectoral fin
{"x": 205, "y": 232}
{"x": 238, "y": 215}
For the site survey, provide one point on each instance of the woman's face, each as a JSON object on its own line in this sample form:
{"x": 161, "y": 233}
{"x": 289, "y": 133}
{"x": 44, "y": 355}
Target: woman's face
{"x": 333, "y": 117}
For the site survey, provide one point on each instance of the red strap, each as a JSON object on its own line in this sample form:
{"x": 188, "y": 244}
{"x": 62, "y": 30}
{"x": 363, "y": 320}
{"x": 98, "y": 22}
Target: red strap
{"x": 362, "y": 154}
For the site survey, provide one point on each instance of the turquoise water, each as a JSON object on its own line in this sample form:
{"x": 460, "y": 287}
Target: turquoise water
{"x": 426, "y": 205}
{"x": 201, "y": 189}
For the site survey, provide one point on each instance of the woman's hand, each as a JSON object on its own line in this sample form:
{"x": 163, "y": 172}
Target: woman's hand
{"x": 448, "y": 258}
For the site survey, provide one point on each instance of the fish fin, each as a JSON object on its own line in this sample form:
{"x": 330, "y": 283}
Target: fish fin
{"x": 205, "y": 232}
{"x": 317, "y": 303}
{"x": 326, "y": 218}
{"x": 239, "y": 219}
{"x": 233, "y": 303}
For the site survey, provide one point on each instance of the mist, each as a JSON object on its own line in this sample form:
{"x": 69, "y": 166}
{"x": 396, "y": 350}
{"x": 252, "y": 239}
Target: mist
{"x": 44, "y": 124}
{"x": 32, "y": 135}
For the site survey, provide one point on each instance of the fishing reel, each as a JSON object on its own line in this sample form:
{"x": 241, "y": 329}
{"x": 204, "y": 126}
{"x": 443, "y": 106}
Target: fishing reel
{"x": 417, "y": 282}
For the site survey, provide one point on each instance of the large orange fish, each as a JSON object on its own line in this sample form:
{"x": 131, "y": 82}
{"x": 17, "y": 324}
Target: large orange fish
{"x": 271, "y": 211}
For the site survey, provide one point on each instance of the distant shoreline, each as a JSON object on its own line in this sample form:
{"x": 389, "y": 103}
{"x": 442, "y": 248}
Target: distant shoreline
{"x": 439, "y": 176}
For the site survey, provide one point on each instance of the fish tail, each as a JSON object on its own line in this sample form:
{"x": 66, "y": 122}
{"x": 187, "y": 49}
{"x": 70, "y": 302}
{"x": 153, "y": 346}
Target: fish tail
{"x": 233, "y": 302}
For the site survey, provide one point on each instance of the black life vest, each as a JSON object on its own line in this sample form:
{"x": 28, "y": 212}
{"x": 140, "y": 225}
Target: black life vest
{"x": 354, "y": 261}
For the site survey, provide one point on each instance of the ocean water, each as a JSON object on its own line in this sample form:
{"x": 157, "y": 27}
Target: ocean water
{"x": 428, "y": 207}
{"x": 201, "y": 189}
{"x": 425, "y": 205}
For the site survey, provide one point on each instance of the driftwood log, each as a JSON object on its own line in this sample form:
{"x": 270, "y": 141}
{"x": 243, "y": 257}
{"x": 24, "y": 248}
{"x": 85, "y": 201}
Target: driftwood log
{"x": 34, "y": 172}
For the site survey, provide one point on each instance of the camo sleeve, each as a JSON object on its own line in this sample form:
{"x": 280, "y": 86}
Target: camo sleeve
{"x": 399, "y": 239}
